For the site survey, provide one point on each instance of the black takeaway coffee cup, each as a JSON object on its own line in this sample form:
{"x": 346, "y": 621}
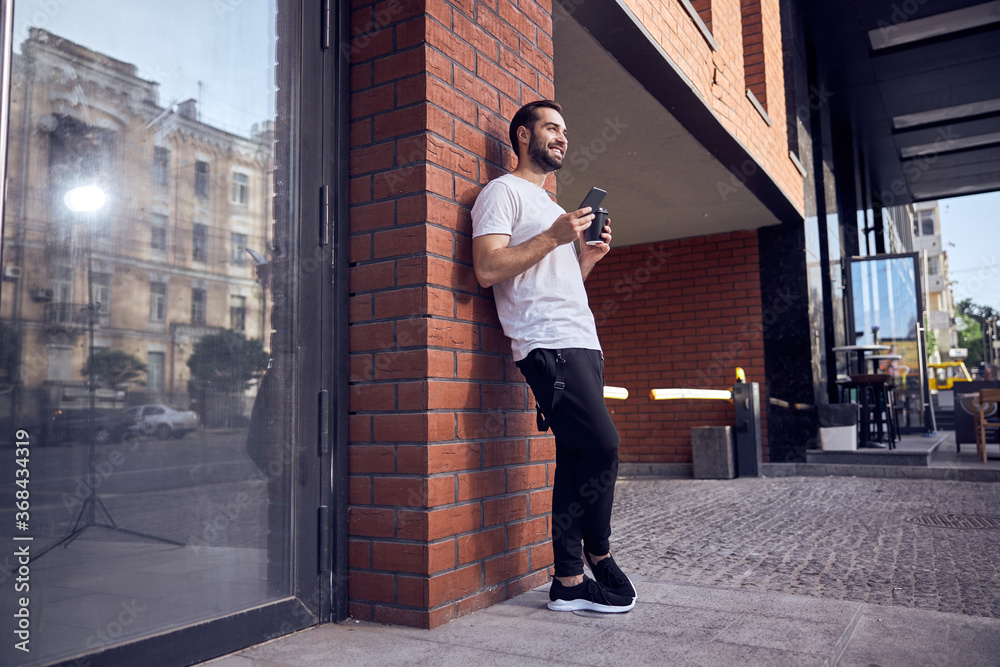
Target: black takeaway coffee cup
{"x": 593, "y": 233}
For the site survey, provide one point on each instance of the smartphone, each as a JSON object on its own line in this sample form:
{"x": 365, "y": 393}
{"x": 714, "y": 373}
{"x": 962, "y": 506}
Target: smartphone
{"x": 257, "y": 258}
{"x": 593, "y": 199}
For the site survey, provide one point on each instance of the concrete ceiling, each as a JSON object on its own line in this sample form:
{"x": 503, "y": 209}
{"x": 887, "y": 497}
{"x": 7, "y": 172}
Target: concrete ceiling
{"x": 920, "y": 84}
{"x": 662, "y": 183}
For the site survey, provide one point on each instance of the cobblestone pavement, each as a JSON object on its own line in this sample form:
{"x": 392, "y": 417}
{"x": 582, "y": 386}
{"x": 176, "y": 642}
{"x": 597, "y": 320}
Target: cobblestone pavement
{"x": 832, "y": 537}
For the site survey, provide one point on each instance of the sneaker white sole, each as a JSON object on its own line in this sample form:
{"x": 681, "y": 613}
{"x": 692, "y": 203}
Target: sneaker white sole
{"x": 577, "y": 605}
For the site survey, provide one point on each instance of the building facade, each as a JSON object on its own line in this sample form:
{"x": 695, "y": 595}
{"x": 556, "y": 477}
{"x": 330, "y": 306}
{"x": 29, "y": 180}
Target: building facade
{"x": 163, "y": 263}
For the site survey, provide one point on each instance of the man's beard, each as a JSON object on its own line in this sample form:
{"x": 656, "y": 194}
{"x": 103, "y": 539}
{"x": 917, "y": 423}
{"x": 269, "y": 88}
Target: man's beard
{"x": 539, "y": 154}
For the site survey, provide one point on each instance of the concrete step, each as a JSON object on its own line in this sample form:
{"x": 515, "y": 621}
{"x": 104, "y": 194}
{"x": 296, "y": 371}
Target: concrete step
{"x": 871, "y": 457}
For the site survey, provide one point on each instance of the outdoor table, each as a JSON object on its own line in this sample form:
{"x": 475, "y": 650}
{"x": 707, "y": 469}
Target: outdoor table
{"x": 860, "y": 351}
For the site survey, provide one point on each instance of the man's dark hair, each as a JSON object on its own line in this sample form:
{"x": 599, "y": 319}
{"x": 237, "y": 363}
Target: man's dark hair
{"x": 527, "y": 116}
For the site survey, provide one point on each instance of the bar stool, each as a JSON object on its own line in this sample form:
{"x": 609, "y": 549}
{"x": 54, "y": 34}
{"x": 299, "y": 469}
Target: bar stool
{"x": 877, "y": 423}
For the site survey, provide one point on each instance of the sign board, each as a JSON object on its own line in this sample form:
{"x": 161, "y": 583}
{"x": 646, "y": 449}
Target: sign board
{"x": 102, "y": 393}
{"x": 958, "y": 353}
{"x": 939, "y": 319}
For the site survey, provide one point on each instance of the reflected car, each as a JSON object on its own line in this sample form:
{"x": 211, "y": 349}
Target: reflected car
{"x": 99, "y": 425}
{"x": 161, "y": 420}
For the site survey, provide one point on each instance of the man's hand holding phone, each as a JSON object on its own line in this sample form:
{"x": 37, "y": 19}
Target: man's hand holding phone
{"x": 595, "y": 239}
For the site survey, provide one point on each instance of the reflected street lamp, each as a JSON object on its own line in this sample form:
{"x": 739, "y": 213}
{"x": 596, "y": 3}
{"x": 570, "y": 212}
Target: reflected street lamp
{"x": 86, "y": 200}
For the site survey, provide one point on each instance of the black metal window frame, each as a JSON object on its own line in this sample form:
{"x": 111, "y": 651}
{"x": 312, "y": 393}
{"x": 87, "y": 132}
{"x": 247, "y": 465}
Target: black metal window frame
{"x": 925, "y": 391}
{"x": 309, "y": 34}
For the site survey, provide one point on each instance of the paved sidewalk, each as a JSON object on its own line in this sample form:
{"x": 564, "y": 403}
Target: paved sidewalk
{"x": 754, "y": 571}
{"x": 673, "y": 624}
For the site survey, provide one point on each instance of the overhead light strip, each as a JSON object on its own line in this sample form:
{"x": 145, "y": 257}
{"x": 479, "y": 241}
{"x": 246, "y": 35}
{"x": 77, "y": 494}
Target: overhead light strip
{"x": 898, "y": 28}
{"x": 691, "y": 394}
{"x": 946, "y": 114}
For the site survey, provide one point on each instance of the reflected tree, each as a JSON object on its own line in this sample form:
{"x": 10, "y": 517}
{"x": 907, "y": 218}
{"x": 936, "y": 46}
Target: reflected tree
{"x": 113, "y": 368}
{"x": 223, "y": 366}
{"x": 976, "y": 319}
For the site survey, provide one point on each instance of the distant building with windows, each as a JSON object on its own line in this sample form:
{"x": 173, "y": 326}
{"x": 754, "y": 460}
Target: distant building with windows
{"x": 940, "y": 303}
{"x": 164, "y": 258}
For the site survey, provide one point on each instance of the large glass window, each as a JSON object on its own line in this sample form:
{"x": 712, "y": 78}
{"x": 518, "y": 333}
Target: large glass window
{"x": 160, "y": 520}
{"x": 886, "y": 305}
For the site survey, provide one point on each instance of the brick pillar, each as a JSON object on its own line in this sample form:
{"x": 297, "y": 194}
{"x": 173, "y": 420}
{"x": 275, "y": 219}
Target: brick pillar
{"x": 450, "y": 483}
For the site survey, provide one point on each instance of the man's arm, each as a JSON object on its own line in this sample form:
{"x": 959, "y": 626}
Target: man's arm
{"x": 495, "y": 261}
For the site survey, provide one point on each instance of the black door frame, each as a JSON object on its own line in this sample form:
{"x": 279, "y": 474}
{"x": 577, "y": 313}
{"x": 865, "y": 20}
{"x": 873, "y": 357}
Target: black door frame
{"x": 925, "y": 392}
{"x": 310, "y": 34}
{"x": 336, "y": 147}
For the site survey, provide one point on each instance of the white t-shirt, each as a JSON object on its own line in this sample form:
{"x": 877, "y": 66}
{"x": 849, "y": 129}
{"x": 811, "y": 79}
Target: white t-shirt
{"x": 546, "y": 306}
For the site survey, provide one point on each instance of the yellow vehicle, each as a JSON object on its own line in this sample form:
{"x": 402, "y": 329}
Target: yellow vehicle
{"x": 946, "y": 374}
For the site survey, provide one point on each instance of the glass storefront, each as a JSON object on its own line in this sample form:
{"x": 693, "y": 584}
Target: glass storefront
{"x": 148, "y": 378}
{"x": 886, "y": 307}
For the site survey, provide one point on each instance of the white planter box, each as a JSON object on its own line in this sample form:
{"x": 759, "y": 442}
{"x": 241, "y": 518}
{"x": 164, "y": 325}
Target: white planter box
{"x": 839, "y": 438}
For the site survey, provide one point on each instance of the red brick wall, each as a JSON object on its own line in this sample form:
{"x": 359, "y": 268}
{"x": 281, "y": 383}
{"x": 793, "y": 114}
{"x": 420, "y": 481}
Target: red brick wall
{"x": 681, "y": 313}
{"x": 720, "y": 77}
{"x": 449, "y": 481}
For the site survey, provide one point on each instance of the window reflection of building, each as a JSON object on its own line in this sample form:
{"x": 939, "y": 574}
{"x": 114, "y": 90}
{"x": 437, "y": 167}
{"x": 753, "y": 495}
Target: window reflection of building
{"x": 161, "y": 168}
{"x": 198, "y": 306}
{"x": 238, "y": 313}
{"x": 241, "y": 189}
{"x": 201, "y": 178}
{"x": 237, "y": 249}
{"x": 164, "y": 260}
{"x": 157, "y": 302}
{"x": 154, "y": 372}
{"x": 199, "y": 242}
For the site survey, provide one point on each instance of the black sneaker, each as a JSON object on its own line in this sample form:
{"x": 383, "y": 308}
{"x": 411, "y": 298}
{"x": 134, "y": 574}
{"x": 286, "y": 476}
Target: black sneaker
{"x": 608, "y": 574}
{"x": 588, "y": 595}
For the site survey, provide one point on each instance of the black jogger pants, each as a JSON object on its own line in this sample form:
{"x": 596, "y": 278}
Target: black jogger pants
{"x": 586, "y": 451}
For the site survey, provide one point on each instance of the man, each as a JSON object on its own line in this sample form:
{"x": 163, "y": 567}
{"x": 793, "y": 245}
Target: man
{"x": 523, "y": 247}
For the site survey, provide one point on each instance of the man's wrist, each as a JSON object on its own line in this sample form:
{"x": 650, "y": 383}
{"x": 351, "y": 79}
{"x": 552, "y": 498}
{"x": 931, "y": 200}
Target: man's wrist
{"x": 549, "y": 238}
